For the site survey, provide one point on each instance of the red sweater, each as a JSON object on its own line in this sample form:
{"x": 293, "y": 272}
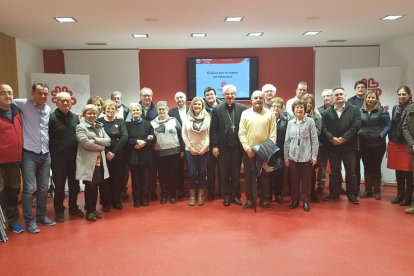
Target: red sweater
{"x": 11, "y": 135}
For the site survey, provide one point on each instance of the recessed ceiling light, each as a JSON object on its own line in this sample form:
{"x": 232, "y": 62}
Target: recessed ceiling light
{"x": 140, "y": 35}
{"x": 198, "y": 35}
{"x": 96, "y": 43}
{"x": 65, "y": 19}
{"x": 311, "y": 33}
{"x": 233, "y": 18}
{"x": 336, "y": 40}
{"x": 255, "y": 34}
{"x": 391, "y": 17}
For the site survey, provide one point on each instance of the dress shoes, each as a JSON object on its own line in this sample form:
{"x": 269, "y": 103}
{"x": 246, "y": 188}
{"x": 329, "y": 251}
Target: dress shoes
{"x": 236, "y": 200}
{"x": 331, "y": 197}
{"x": 248, "y": 205}
{"x": 293, "y": 205}
{"x": 398, "y": 199}
{"x": 266, "y": 205}
{"x": 163, "y": 200}
{"x": 117, "y": 206}
{"x": 226, "y": 202}
{"x": 173, "y": 200}
{"x": 144, "y": 202}
{"x": 137, "y": 204}
{"x": 405, "y": 202}
{"x": 106, "y": 209}
{"x": 354, "y": 200}
{"x": 306, "y": 207}
{"x": 279, "y": 199}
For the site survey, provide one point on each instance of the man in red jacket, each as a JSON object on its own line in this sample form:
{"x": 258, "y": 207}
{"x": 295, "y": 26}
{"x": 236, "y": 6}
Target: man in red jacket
{"x": 11, "y": 146}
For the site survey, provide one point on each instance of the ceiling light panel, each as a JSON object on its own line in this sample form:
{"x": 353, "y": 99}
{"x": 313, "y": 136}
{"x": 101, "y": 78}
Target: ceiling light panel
{"x": 311, "y": 33}
{"x": 65, "y": 19}
{"x": 233, "y": 18}
{"x": 140, "y": 35}
{"x": 198, "y": 35}
{"x": 391, "y": 17}
{"x": 255, "y": 34}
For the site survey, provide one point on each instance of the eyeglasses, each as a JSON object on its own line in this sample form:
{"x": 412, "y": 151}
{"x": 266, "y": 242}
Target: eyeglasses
{"x": 6, "y": 93}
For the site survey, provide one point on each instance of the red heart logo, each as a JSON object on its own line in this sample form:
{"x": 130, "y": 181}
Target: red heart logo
{"x": 372, "y": 83}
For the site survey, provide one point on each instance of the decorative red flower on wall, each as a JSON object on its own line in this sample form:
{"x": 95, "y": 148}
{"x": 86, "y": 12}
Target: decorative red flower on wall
{"x": 372, "y": 84}
{"x": 58, "y": 89}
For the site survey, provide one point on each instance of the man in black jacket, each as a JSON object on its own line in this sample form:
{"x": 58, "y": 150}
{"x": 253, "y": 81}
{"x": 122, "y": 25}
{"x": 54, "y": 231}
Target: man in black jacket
{"x": 225, "y": 144}
{"x": 63, "y": 147}
{"x": 341, "y": 123}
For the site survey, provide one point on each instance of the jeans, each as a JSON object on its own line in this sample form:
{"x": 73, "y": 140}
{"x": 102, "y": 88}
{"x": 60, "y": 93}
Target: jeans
{"x": 197, "y": 170}
{"x": 36, "y": 173}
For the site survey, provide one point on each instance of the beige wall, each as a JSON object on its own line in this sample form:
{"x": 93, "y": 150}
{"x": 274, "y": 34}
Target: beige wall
{"x": 8, "y": 62}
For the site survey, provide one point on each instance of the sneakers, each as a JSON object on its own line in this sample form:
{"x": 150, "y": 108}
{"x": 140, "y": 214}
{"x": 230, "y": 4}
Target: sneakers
{"x": 32, "y": 228}
{"x": 16, "y": 228}
{"x": 46, "y": 221}
{"x": 76, "y": 213}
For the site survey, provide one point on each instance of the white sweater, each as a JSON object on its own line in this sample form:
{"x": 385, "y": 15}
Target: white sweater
{"x": 195, "y": 133}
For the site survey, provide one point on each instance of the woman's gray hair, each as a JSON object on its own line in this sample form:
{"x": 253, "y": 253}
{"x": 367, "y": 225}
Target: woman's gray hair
{"x": 162, "y": 104}
{"x": 132, "y": 105}
{"x": 89, "y": 107}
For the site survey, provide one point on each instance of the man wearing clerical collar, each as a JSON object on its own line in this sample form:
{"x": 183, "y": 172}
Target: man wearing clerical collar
{"x": 225, "y": 144}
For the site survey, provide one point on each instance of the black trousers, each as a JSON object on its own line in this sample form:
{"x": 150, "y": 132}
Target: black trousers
{"x": 64, "y": 168}
{"x": 91, "y": 189}
{"x": 168, "y": 167}
{"x": 336, "y": 157}
{"x": 230, "y": 160}
{"x": 140, "y": 182}
{"x": 212, "y": 163}
{"x": 113, "y": 187}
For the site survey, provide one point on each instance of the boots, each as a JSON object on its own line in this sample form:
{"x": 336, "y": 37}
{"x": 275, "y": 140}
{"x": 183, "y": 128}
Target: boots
{"x": 400, "y": 187}
{"x": 191, "y": 200}
{"x": 369, "y": 178}
{"x": 377, "y": 186}
{"x": 408, "y": 192}
{"x": 201, "y": 197}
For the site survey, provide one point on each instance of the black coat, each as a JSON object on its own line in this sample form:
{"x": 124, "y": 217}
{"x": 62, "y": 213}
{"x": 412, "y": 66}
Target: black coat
{"x": 221, "y": 133}
{"x": 62, "y": 133}
{"x": 176, "y": 114}
{"x": 346, "y": 127}
{"x": 141, "y": 131}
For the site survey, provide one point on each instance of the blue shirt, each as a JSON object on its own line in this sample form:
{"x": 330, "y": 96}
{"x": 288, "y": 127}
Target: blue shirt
{"x": 35, "y": 125}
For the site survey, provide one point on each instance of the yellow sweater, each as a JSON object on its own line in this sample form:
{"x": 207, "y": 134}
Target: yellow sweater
{"x": 256, "y": 128}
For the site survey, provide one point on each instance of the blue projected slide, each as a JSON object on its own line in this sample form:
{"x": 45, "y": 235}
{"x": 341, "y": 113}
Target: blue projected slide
{"x": 218, "y": 72}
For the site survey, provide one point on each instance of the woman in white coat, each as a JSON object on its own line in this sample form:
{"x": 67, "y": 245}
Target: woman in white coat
{"x": 90, "y": 160}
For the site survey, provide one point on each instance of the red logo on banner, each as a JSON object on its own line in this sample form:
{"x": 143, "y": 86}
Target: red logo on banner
{"x": 372, "y": 84}
{"x": 58, "y": 89}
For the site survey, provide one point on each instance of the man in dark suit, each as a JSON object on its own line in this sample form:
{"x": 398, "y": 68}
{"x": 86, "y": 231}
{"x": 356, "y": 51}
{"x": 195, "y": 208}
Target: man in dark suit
{"x": 341, "y": 123}
{"x": 179, "y": 113}
{"x": 225, "y": 144}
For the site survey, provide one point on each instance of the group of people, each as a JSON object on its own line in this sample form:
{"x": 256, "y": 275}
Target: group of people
{"x": 210, "y": 138}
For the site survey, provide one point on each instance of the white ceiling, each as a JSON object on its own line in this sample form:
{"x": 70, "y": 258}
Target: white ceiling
{"x": 169, "y": 23}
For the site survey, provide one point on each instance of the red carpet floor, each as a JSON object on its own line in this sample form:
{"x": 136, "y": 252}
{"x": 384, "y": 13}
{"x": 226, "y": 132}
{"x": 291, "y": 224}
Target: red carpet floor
{"x": 334, "y": 238}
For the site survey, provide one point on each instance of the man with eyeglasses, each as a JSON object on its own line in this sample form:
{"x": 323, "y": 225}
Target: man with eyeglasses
{"x": 36, "y": 156}
{"x": 63, "y": 148}
{"x": 149, "y": 113}
{"x": 341, "y": 123}
{"x": 269, "y": 91}
{"x": 11, "y": 146}
{"x": 257, "y": 125}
